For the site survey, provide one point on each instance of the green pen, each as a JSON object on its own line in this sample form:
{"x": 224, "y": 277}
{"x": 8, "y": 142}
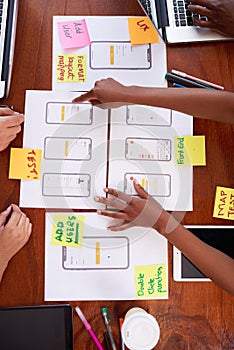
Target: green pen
{"x": 108, "y": 327}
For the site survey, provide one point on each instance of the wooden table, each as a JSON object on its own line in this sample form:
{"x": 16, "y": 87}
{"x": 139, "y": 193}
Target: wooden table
{"x": 196, "y": 315}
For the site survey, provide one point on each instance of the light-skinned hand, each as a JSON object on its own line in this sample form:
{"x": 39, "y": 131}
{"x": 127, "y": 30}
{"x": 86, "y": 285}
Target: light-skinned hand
{"x": 10, "y": 126}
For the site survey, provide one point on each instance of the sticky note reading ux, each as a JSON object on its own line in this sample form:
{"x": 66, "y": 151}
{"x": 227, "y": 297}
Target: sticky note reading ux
{"x": 73, "y": 34}
{"x": 151, "y": 281}
{"x": 67, "y": 230}
{"x": 25, "y": 164}
{"x": 224, "y": 203}
{"x": 142, "y": 31}
{"x": 190, "y": 150}
{"x": 71, "y": 68}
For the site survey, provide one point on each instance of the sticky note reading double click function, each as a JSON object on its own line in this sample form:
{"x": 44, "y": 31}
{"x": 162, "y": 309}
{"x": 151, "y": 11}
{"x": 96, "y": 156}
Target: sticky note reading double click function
{"x": 142, "y": 31}
{"x": 73, "y": 34}
{"x": 25, "y": 164}
{"x": 224, "y": 203}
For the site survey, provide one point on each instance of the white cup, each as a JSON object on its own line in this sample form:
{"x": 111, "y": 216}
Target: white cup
{"x": 140, "y": 330}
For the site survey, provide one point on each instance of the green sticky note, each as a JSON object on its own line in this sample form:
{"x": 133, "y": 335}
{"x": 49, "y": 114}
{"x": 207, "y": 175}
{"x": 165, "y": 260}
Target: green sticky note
{"x": 190, "y": 150}
{"x": 67, "y": 230}
{"x": 151, "y": 281}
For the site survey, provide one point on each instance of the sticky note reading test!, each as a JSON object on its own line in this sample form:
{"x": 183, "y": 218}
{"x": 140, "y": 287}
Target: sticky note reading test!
{"x": 25, "y": 164}
{"x": 190, "y": 150}
{"x": 142, "y": 31}
{"x": 67, "y": 230}
{"x": 73, "y": 34}
{"x": 71, "y": 68}
{"x": 151, "y": 281}
{"x": 224, "y": 203}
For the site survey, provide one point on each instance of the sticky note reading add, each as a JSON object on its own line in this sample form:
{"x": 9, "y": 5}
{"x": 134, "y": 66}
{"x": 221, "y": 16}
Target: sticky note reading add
{"x": 142, "y": 31}
{"x": 25, "y": 164}
{"x": 224, "y": 203}
{"x": 67, "y": 230}
{"x": 73, "y": 34}
{"x": 71, "y": 68}
{"x": 190, "y": 150}
{"x": 151, "y": 281}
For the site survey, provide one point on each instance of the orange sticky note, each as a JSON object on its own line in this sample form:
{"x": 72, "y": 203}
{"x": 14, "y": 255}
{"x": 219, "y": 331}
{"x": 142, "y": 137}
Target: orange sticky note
{"x": 224, "y": 203}
{"x": 142, "y": 31}
{"x": 25, "y": 164}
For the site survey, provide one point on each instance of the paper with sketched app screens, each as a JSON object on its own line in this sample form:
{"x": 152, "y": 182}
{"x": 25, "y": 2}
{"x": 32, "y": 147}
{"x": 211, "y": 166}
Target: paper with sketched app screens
{"x": 139, "y": 148}
{"x": 119, "y": 55}
{"x": 99, "y": 253}
{"x": 156, "y": 184}
{"x": 147, "y": 115}
{"x": 69, "y": 113}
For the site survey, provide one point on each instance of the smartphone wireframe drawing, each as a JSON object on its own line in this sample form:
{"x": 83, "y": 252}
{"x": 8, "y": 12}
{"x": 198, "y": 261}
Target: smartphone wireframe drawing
{"x": 138, "y": 148}
{"x": 69, "y": 113}
{"x": 69, "y": 148}
{"x": 157, "y": 185}
{"x": 147, "y": 115}
{"x": 119, "y": 55}
{"x": 66, "y": 185}
{"x": 220, "y": 237}
{"x": 98, "y": 253}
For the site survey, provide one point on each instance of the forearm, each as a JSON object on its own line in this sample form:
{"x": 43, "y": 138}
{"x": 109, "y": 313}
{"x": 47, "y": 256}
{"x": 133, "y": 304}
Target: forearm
{"x": 201, "y": 103}
{"x": 214, "y": 264}
{"x": 3, "y": 267}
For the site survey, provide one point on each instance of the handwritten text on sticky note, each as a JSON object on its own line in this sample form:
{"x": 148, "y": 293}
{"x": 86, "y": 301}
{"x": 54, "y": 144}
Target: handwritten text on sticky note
{"x": 224, "y": 203}
{"x": 25, "y": 164}
{"x": 71, "y": 68}
{"x": 67, "y": 230}
{"x": 151, "y": 281}
{"x": 190, "y": 150}
{"x": 73, "y": 34}
{"x": 142, "y": 31}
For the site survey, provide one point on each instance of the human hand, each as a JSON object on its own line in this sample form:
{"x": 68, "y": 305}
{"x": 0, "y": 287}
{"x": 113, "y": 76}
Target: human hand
{"x": 9, "y": 126}
{"x": 220, "y": 15}
{"x": 106, "y": 91}
{"x": 14, "y": 234}
{"x": 134, "y": 211}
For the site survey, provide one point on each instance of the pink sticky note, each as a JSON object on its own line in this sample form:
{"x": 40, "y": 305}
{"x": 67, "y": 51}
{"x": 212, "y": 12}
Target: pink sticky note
{"x": 73, "y": 34}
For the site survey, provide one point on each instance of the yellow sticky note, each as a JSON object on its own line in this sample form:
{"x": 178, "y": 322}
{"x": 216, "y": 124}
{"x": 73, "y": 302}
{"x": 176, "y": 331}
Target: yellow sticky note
{"x": 190, "y": 150}
{"x": 224, "y": 203}
{"x": 71, "y": 68}
{"x": 142, "y": 31}
{"x": 67, "y": 230}
{"x": 25, "y": 164}
{"x": 151, "y": 281}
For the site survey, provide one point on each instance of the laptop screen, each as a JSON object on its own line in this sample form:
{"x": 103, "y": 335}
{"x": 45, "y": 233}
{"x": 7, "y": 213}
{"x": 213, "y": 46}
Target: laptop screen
{"x": 36, "y": 327}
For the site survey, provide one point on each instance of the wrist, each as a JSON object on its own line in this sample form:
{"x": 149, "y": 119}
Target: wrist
{"x": 166, "y": 224}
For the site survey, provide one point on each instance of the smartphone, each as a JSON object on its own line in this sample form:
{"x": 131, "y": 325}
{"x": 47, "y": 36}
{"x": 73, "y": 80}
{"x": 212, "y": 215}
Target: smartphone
{"x": 219, "y": 237}
{"x": 138, "y": 148}
{"x": 146, "y": 115}
{"x": 66, "y": 185}
{"x": 68, "y": 148}
{"x": 69, "y": 113}
{"x": 119, "y": 55}
{"x": 157, "y": 185}
{"x": 97, "y": 253}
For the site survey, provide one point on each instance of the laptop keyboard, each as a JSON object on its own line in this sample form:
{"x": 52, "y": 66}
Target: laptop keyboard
{"x": 183, "y": 17}
{"x": 1, "y": 13}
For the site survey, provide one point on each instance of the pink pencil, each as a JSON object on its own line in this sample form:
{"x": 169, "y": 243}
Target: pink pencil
{"x": 88, "y": 327}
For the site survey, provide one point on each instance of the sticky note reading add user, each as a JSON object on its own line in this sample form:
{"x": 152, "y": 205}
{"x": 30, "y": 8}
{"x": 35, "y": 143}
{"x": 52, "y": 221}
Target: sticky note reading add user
{"x": 151, "y": 281}
{"x": 25, "y": 164}
{"x": 73, "y": 34}
{"x": 142, "y": 31}
{"x": 67, "y": 230}
{"x": 224, "y": 203}
{"x": 190, "y": 150}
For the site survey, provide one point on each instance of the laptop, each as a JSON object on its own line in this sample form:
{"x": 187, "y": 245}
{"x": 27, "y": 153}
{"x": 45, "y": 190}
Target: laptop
{"x": 8, "y": 19}
{"x": 174, "y": 22}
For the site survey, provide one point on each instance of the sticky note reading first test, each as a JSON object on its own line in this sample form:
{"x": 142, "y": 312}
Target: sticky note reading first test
{"x": 25, "y": 164}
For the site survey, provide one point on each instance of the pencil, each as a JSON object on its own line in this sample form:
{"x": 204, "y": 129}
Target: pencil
{"x": 121, "y": 339}
{"x": 186, "y": 82}
{"x": 191, "y": 77}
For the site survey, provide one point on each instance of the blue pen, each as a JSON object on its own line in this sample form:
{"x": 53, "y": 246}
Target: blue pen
{"x": 178, "y": 85}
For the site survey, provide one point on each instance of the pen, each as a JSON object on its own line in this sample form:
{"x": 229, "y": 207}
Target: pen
{"x": 186, "y": 82}
{"x": 185, "y": 75}
{"x": 107, "y": 340}
{"x": 88, "y": 327}
{"x": 108, "y": 327}
{"x": 120, "y": 327}
{"x": 179, "y": 85}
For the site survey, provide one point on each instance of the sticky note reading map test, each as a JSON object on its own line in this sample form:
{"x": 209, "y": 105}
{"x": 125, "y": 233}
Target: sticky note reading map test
{"x": 142, "y": 31}
{"x": 224, "y": 203}
{"x": 151, "y": 281}
{"x": 25, "y": 164}
{"x": 73, "y": 34}
{"x": 190, "y": 150}
{"x": 67, "y": 230}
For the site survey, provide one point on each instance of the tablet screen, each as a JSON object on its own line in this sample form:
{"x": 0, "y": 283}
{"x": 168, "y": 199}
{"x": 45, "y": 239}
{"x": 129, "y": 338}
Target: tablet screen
{"x": 46, "y": 327}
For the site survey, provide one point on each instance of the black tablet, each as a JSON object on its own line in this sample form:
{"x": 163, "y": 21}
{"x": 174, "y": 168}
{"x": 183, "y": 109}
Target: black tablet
{"x": 43, "y": 327}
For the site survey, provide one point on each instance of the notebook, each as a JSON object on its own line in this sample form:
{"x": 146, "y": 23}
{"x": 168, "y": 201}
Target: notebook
{"x": 175, "y": 23}
{"x": 42, "y": 327}
{"x": 8, "y": 19}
